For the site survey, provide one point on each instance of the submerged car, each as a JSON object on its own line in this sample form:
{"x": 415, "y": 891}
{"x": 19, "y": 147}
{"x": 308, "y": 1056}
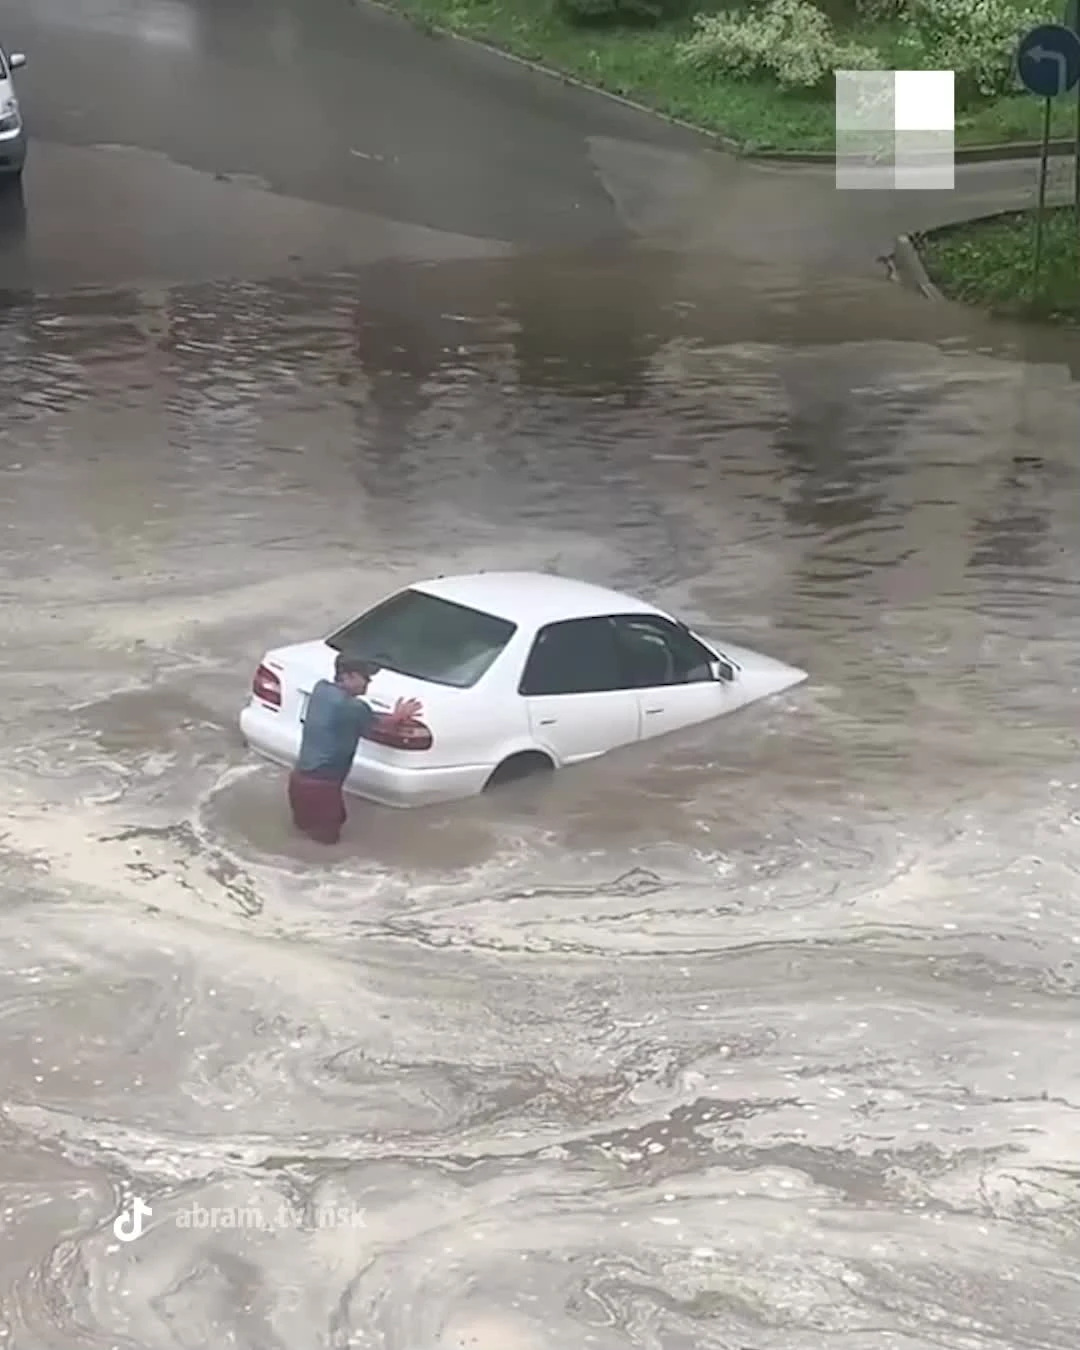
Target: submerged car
{"x": 518, "y": 672}
{"x": 12, "y": 131}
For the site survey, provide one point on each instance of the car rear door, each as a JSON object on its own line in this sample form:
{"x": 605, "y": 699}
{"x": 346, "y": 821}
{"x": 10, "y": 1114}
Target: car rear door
{"x": 672, "y": 674}
{"x": 577, "y": 694}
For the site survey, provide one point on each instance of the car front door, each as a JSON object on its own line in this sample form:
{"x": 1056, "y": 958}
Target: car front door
{"x": 577, "y": 692}
{"x": 672, "y": 673}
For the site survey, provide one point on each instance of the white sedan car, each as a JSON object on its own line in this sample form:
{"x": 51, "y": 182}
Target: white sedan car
{"x": 517, "y": 672}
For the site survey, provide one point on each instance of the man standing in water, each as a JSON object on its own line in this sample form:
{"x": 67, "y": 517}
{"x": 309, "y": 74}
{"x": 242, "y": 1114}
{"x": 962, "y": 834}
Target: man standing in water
{"x": 337, "y": 716}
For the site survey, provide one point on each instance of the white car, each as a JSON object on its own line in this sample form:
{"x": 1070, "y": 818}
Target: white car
{"x": 517, "y": 672}
{"x": 12, "y": 131}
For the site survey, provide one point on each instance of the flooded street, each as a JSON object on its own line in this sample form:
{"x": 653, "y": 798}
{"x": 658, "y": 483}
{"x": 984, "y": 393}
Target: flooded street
{"x": 757, "y": 1038}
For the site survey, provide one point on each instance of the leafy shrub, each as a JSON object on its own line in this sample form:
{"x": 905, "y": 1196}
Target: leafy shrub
{"x": 843, "y": 13}
{"x": 974, "y": 38}
{"x": 597, "y": 13}
{"x": 880, "y": 11}
{"x": 789, "y": 41}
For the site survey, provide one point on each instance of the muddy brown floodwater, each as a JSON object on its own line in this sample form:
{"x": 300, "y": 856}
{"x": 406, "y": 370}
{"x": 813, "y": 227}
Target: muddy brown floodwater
{"x": 762, "y": 1039}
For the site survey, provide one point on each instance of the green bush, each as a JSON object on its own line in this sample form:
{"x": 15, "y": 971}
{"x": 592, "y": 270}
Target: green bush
{"x": 846, "y": 12}
{"x": 790, "y": 41}
{"x": 596, "y": 13}
{"x": 974, "y": 38}
{"x": 881, "y": 11}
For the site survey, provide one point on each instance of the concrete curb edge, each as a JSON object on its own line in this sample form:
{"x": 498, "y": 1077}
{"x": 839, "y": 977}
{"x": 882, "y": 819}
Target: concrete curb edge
{"x": 965, "y": 154}
{"x": 909, "y": 269}
{"x": 906, "y": 262}
{"x": 1001, "y": 213}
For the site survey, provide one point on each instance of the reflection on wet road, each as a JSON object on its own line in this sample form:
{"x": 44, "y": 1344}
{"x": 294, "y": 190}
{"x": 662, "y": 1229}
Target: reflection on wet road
{"x": 760, "y": 1038}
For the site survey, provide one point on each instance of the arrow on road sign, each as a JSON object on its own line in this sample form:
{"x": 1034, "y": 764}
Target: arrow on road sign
{"x": 1041, "y": 54}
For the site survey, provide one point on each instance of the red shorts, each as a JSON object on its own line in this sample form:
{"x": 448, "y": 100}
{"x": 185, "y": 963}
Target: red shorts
{"x": 318, "y": 807}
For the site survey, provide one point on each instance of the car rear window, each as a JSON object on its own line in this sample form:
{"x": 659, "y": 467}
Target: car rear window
{"x": 426, "y": 637}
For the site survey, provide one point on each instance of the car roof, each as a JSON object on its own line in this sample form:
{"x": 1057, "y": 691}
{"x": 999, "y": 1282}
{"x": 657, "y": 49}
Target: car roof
{"x": 533, "y": 598}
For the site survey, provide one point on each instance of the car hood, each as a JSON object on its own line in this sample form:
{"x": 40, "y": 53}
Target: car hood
{"x": 764, "y": 674}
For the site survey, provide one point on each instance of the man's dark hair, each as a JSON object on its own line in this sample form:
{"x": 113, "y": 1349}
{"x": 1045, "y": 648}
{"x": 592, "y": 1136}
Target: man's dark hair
{"x": 353, "y": 665}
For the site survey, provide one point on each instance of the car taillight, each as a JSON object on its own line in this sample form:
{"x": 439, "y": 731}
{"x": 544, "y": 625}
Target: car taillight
{"x": 267, "y": 686}
{"x": 400, "y": 735}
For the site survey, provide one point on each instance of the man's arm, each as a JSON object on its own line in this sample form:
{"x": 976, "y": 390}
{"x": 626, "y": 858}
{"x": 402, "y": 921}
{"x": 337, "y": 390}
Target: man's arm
{"x": 361, "y": 715}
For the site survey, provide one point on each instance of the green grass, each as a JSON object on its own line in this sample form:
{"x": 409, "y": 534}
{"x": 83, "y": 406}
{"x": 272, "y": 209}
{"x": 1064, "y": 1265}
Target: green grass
{"x": 990, "y": 263}
{"x": 1016, "y": 118}
{"x": 640, "y": 64}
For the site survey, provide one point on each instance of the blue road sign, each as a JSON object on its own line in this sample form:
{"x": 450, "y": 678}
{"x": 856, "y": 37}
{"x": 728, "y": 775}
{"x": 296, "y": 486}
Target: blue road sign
{"x": 1048, "y": 60}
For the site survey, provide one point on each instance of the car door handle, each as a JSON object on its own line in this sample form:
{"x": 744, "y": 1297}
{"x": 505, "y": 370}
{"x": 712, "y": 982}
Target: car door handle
{"x": 548, "y": 721}
{"x": 649, "y": 711}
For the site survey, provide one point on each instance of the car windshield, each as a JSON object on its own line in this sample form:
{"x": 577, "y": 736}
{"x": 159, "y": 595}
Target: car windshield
{"x": 426, "y": 637}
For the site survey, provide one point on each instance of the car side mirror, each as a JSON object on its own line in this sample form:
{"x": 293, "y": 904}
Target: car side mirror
{"x": 723, "y": 671}
{"x": 17, "y": 60}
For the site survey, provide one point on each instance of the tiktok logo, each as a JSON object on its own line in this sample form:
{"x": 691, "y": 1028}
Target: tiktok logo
{"x": 129, "y": 1223}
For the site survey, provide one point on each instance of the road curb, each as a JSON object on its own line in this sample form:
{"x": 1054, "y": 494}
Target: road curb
{"x": 965, "y": 154}
{"x": 905, "y": 260}
{"x": 908, "y": 267}
{"x": 954, "y": 225}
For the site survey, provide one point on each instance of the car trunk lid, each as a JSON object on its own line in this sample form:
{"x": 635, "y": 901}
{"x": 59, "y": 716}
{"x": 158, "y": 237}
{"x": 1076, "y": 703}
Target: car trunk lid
{"x": 300, "y": 666}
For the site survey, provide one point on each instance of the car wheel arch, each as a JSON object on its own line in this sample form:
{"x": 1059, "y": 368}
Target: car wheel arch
{"x": 523, "y": 762}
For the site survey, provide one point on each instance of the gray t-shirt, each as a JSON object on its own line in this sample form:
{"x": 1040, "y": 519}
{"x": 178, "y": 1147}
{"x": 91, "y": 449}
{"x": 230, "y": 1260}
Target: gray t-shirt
{"x": 334, "y": 723}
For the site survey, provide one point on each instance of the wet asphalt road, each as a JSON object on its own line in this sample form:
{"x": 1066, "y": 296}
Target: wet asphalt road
{"x": 158, "y": 127}
{"x": 762, "y": 1039}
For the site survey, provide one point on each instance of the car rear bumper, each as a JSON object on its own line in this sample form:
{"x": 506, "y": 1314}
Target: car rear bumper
{"x": 278, "y": 740}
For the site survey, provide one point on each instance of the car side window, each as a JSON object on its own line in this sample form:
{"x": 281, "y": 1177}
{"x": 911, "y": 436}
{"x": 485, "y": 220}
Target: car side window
{"x": 657, "y": 652}
{"x": 577, "y": 656}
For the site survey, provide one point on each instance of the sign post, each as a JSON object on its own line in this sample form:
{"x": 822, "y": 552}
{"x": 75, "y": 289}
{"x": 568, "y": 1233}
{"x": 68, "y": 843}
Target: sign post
{"x": 1076, "y": 144}
{"x": 1070, "y": 19}
{"x": 1048, "y": 64}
